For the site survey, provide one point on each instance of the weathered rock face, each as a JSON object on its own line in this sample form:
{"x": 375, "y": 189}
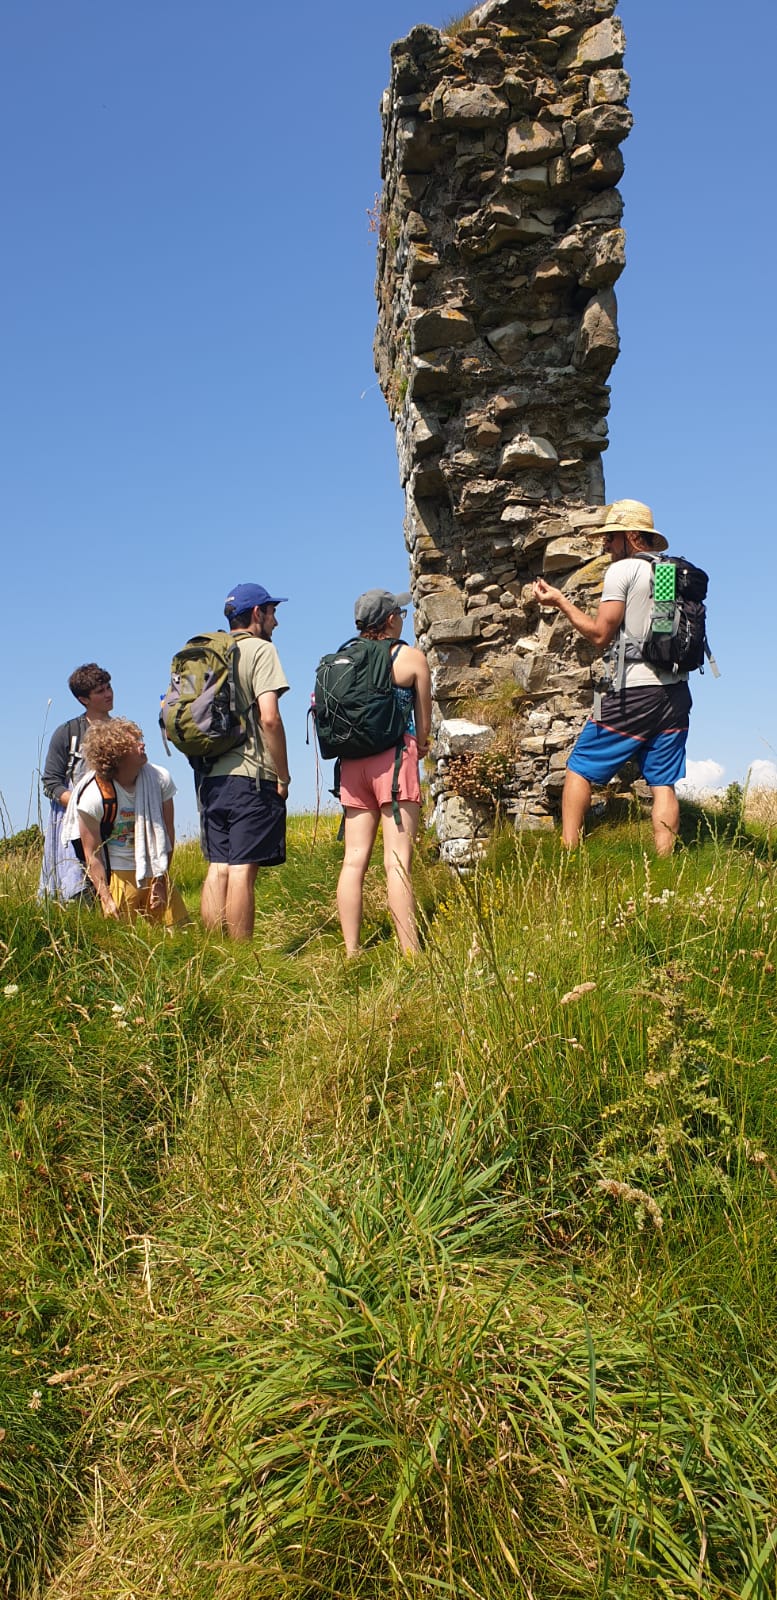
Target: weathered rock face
{"x": 500, "y": 242}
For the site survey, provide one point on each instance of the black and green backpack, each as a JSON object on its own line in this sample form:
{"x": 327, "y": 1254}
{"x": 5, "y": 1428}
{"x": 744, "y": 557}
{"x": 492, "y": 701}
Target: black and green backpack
{"x": 676, "y": 637}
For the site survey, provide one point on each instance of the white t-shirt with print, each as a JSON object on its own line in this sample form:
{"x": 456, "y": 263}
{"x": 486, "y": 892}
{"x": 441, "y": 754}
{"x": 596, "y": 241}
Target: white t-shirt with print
{"x": 121, "y": 845}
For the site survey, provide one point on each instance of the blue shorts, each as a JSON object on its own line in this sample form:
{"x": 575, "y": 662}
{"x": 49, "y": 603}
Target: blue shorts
{"x": 646, "y": 724}
{"x": 241, "y": 825}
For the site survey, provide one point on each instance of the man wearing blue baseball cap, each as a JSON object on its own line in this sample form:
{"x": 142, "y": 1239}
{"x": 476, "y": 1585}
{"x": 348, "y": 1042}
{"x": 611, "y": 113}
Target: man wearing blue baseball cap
{"x": 243, "y": 798}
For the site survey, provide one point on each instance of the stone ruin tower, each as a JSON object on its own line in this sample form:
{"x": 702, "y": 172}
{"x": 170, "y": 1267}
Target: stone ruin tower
{"x": 499, "y": 244}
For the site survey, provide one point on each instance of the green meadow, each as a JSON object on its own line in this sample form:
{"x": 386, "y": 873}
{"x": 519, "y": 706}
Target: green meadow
{"x": 443, "y": 1280}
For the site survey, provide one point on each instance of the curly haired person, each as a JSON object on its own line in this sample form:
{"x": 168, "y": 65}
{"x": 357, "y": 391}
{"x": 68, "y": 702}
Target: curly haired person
{"x": 123, "y": 810}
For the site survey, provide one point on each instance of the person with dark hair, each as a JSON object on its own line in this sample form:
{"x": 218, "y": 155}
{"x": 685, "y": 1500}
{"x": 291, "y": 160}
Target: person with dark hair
{"x": 62, "y": 874}
{"x": 645, "y": 714}
{"x": 242, "y": 797}
{"x": 366, "y": 782}
{"x": 122, "y": 809}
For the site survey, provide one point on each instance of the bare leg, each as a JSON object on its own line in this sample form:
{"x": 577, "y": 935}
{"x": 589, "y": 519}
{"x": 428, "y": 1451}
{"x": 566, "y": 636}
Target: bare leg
{"x": 213, "y": 900}
{"x": 360, "y": 830}
{"x": 574, "y": 804}
{"x": 397, "y": 858}
{"x": 240, "y": 907}
{"x": 666, "y": 818}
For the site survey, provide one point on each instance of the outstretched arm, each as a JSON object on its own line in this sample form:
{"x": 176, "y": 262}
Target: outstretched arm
{"x": 599, "y": 630}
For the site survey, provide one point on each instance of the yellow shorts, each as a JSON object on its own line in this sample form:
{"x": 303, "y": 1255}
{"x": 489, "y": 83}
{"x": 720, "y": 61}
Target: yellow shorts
{"x": 134, "y": 902}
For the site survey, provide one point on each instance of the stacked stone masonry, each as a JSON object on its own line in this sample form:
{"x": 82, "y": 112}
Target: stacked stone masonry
{"x": 499, "y": 245}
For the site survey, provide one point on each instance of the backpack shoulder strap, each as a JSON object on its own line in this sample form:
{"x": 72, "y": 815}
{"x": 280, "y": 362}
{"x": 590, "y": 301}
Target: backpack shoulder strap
{"x": 108, "y": 793}
{"x": 74, "y": 735}
{"x": 232, "y": 653}
{"x": 107, "y": 789}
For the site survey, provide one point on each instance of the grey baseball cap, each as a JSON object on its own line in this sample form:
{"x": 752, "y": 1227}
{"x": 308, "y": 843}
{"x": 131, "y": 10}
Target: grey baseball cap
{"x": 372, "y": 608}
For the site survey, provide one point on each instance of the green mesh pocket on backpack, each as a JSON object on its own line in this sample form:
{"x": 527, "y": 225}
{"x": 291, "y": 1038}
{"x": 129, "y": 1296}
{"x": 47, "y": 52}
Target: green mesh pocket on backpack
{"x": 664, "y": 577}
{"x": 664, "y": 588}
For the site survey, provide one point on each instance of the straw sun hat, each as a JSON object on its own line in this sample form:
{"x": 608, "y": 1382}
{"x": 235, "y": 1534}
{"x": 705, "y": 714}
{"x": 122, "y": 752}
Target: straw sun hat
{"x": 630, "y": 516}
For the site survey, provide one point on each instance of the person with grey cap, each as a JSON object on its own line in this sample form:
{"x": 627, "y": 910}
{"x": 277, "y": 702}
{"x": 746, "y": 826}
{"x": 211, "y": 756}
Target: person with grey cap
{"x": 645, "y": 715}
{"x": 366, "y": 782}
{"x": 242, "y": 798}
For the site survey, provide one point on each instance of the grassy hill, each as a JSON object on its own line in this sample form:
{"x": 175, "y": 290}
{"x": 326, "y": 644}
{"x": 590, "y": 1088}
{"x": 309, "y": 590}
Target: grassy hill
{"x": 445, "y": 1279}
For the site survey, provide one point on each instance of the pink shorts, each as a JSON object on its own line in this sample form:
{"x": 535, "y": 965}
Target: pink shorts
{"x": 365, "y": 783}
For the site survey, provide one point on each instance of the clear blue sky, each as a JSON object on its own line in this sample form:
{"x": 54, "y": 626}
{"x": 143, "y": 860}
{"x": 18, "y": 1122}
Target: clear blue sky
{"x": 187, "y": 396}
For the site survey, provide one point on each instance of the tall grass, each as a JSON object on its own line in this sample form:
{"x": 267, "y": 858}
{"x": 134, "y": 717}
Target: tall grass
{"x": 452, "y": 1278}
{"x": 456, "y": 23}
{"x": 760, "y": 806}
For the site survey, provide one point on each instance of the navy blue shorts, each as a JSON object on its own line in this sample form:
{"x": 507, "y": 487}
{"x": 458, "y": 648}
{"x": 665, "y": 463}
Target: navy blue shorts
{"x": 646, "y": 724}
{"x": 241, "y": 825}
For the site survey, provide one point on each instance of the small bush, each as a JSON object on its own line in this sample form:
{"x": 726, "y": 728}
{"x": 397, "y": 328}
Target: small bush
{"x": 23, "y": 843}
{"x": 481, "y": 776}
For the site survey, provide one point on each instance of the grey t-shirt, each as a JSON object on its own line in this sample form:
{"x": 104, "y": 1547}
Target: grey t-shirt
{"x": 629, "y": 581}
{"x": 64, "y": 761}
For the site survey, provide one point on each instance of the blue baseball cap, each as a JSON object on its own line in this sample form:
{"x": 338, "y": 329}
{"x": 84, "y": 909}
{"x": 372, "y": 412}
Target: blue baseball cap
{"x": 245, "y": 596}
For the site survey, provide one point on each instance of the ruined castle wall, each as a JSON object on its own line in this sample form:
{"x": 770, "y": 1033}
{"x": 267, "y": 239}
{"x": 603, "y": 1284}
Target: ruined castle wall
{"x": 499, "y": 244}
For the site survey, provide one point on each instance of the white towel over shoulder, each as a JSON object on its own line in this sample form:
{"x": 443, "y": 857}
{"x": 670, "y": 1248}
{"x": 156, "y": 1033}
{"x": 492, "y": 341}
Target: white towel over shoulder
{"x": 152, "y": 846}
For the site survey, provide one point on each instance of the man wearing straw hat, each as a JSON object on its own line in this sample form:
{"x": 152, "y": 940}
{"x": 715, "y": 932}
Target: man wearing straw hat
{"x": 645, "y": 715}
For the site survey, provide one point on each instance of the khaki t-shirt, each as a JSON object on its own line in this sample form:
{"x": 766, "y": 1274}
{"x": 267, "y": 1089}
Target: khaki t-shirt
{"x": 259, "y": 671}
